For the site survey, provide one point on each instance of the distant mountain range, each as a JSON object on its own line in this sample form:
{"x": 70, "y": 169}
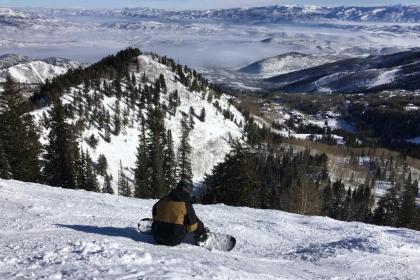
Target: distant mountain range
{"x": 23, "y": 18}
{"x": 270, "y": 14}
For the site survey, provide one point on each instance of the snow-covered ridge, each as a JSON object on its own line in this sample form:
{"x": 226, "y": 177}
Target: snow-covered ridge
{"x": 28, "y": 70}
{"x": 373, "y": 73}
{"x": 54, "y": 233}
{"x": 33, "y": 72}
{"x": 209, "y": 139}
{"x": 284, "y": 63}
{"x": 18, "y": 18}
{"x": 8, "y": 60}
{"x": 273, "y": 14}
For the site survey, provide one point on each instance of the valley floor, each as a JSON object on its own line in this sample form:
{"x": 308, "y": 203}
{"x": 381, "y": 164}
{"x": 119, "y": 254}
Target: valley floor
{"x": 51, "y": 233}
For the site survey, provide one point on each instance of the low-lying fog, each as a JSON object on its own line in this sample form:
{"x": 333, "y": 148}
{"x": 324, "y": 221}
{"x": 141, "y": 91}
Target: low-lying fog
{"x": 201, "y": 45}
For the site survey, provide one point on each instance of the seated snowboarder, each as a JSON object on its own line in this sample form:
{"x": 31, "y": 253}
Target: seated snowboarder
{"x": 174, "y": 217}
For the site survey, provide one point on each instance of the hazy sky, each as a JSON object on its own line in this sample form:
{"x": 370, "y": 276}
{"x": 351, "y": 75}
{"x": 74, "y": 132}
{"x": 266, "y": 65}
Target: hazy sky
{"x": 193, "y": 4}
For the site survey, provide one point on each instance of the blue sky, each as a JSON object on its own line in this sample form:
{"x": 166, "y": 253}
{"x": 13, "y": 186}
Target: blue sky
{"x": 193, "y": 4}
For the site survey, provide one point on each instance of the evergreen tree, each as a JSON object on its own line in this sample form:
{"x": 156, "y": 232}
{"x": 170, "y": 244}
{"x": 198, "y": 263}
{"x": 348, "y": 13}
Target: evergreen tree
{"x": 92, "y": 141}
{"x": 408, "y": 210}
{"x": 102, "y": 165}
{"x": 108, "y": 184}
{"x": 117, "y": 118}
{"x": 81, "y": 170}
{"x": 133, "y": 79}
{"x": 194, "y": 85}
{"x": 169, "y": 162}
{"x": 162, "y": 82}
{"x": 143, "y": 78}
{"x": 192, "y": 114}
{"x": 59, "y": 169}
{"x": 5, "y": 170}
{"x": 232, "y": 181}
{"x": 361, "y": 204}
{"x": 141, "y": 172}
{"x": 338, "y": 198}
{"x": 123, "y": 184}
{"x": 184, "y": 171}
{"x": 203, "y": 115}
{"x": 174, "y": 102}
{"x": 156, "y": 134}
{"x": 386, "y": 213}
{"x": 107, "y": 136}
{"x": 91, "y": 180}
{"x": 18, "y": 135}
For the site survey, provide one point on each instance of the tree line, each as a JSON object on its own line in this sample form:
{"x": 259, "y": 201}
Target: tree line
{"x": 266, "y": 175}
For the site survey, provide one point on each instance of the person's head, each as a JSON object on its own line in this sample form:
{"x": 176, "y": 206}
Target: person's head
{"x": 183, "y": 185}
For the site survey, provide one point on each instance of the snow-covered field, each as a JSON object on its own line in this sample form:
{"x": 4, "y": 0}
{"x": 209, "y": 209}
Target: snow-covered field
{"x": 51, "y": 233}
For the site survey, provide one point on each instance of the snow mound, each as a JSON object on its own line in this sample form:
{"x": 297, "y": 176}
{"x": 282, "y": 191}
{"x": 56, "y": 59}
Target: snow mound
{"x": 65, "y": 234}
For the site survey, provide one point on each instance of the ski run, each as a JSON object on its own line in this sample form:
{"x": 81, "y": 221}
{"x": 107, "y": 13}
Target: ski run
{"x": 52, "y": 233}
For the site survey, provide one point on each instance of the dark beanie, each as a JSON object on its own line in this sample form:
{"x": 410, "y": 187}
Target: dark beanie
{"x": 183, "y": 185}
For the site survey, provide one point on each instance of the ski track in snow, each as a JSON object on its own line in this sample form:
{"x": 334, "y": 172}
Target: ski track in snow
{"x": 51, "y": 233}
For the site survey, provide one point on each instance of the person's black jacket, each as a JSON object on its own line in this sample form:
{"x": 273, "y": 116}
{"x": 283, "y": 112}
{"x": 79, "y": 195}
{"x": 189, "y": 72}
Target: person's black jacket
{"x": 173, "y": 217}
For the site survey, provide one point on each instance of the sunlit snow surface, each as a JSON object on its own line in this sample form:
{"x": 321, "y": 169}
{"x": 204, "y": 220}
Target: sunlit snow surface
{"x": 32, "y": 72}
{"x": 51, "y": 233}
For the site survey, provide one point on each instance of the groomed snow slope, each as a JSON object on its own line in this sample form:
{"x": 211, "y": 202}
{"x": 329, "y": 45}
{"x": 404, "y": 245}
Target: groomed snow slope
{"x": 51, "y": 233}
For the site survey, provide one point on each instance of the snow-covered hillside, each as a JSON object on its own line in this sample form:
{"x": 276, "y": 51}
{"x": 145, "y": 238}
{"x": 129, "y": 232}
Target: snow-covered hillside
{"x": 52, "y": 233}
{"x": 208, "y": 138}
{"x": 28, "y": 70}
{"x": 284, "y": 63}
{"x": 34, "y": 72}
{"x": 373, "y": 73}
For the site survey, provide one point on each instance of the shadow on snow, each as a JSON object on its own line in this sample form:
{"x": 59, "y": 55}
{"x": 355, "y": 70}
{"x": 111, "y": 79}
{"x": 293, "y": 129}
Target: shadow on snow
{"x": 128, "y": 232}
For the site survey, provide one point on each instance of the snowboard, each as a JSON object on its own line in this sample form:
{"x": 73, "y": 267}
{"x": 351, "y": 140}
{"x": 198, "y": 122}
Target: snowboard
{"x": 212, "y": 240}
